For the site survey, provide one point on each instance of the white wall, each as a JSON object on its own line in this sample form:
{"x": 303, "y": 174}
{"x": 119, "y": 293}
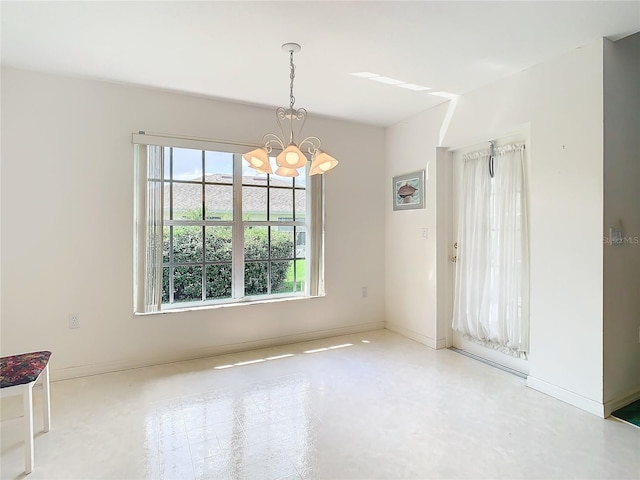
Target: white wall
{"x": 560, "y": 101}
{"x": 67, "y": 227}
{"x": 621, "y": 210}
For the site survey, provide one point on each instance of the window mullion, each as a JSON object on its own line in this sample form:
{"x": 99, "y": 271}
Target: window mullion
{"x": 269, "y": 190}
{"x": 204, "y": 236}
{"x": 171, "y": 267}
{"x": 295, "y": 255}
{"x": 204, "y": 266}
{"x": 293, "y": 194}
{"x": 295, "y": 236}
{"x": 268, "y": 259}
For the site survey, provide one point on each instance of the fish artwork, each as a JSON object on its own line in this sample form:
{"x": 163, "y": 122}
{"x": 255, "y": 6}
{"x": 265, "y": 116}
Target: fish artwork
{"x": 406, "y": 192}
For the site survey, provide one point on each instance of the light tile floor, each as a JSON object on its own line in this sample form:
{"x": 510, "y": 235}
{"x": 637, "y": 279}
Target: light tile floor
{"x": 372, "y": 405}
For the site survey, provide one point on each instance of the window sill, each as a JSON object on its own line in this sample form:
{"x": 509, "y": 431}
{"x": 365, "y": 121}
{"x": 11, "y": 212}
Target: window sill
{"x": 225, "y": 305}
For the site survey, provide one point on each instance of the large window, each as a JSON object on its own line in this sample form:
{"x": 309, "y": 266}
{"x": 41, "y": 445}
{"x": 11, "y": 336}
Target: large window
{"x": 211, "y": 230}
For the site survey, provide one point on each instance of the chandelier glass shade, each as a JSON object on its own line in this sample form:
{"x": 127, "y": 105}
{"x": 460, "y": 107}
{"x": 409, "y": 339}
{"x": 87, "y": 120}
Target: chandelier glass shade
{"x": 259, "y": 160}
{"x": 292, "y": 156}
{"x": 322, "y": 162}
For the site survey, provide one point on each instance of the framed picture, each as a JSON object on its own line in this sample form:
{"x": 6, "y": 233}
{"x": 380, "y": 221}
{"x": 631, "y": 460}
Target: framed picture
{"x": 408, "y": 191}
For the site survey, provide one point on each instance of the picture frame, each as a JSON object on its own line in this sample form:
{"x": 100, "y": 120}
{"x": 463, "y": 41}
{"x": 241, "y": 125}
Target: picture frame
{"x": 408, "y": 191}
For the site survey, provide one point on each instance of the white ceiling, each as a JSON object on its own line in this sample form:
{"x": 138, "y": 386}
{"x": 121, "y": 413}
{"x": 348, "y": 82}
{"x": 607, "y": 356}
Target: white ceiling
{"x": 232, "y": 49}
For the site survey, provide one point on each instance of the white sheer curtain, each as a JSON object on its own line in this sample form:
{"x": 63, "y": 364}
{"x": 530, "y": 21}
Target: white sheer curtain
{"x": 150, "y": 201}
{"x": 492, "y": 271}
{"x": 315, "y": 212}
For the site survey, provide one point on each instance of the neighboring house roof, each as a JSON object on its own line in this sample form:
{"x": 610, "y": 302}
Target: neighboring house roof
{"x": 219, "y": 198}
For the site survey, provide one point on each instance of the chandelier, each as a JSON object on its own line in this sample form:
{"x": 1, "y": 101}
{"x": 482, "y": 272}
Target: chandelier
{"x": 291, "y": 158}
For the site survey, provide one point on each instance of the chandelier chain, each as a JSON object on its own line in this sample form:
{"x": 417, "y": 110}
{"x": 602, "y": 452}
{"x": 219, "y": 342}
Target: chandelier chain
{"x": 292, "y": 76}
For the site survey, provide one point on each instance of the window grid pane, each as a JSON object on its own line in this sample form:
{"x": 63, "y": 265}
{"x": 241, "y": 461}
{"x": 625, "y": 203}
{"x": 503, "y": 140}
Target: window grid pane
{"x": 256, "y": 276}
{"x": 198, "y": 255}
{"x": 187, "y": 281}
{"x": 218, "y": 244}
{"x": 280, "y": 203}
{"x": 281, "y": 271}
{"x": 218, "y": 202}
{"x": 218, "y": 281}
{"x": 255, "y": 203}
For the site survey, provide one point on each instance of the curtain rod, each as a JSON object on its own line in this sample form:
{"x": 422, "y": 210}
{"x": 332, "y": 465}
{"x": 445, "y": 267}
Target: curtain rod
{"x": 493, "y": 150}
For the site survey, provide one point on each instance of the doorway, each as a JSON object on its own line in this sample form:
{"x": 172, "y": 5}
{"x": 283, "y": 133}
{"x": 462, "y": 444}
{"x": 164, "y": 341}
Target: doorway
{"x": 457, "y": 340}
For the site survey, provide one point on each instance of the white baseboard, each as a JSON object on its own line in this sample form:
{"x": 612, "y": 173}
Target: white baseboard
{"x": 619, "y": 402}
{"x": 107, "y": 367}
{"x": 567, "y": 396}
{"x": 418, "y": 337}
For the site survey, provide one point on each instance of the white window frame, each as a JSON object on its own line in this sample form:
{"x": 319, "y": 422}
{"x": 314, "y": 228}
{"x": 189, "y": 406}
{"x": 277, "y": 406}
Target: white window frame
{"x": 313, "y": 224}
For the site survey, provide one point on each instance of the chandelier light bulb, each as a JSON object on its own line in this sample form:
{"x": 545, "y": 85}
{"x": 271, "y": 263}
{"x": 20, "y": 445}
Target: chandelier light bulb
{"x": 322, "y": 162}
{"x": 291, "y": 157}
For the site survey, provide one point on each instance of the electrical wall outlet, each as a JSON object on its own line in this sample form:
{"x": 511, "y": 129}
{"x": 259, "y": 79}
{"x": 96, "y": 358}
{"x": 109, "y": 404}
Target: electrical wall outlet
{"x": 74, "y": 320}
{"x": 365, "y": 292}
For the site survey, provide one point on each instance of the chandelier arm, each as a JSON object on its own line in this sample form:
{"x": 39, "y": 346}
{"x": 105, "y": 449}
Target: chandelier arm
{"x": 269, "y": 139}
{"x": 313, "y": 144}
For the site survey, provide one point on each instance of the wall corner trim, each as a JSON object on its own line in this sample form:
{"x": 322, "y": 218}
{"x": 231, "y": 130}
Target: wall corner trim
{"x": 567, "y": 396}
{"x": 434, "y": 343}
